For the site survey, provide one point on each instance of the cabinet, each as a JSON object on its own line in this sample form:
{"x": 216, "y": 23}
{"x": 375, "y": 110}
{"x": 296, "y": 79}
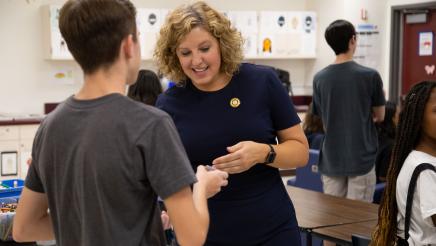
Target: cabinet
{"x": 17, "y": 139}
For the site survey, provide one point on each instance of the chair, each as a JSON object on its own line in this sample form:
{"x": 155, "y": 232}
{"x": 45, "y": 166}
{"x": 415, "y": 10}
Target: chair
{"x": 308, "y": 177}
{"x": 378, "y": 193}
{"x": 358, "y": 240}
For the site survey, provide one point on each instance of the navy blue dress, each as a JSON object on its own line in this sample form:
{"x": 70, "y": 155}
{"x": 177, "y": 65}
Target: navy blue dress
{"x": 254, "y": 209}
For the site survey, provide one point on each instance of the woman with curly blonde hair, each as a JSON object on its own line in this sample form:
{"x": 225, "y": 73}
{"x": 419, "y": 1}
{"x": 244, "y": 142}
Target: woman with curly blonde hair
{"x": 229, "y": 115}
{"x": 180, "y": 22}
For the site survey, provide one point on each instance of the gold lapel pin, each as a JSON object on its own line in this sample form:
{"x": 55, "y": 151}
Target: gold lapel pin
{"x": 235, "y": 102}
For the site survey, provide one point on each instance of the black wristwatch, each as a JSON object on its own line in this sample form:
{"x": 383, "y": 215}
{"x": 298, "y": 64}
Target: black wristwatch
{"x": 271, "y": 155}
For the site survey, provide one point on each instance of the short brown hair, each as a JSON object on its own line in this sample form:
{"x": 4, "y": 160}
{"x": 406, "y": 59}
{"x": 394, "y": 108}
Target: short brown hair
{"x": 180, "y": 22}
{"x": 94, "y": 30}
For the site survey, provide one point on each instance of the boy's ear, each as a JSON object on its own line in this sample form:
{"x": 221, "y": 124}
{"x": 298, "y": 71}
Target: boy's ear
{"x": 127, "y": 46}
{"x": 353, "y": 40}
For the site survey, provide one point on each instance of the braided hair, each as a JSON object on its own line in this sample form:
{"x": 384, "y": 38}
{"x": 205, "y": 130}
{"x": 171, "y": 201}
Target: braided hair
{"x": 407, "y": 138}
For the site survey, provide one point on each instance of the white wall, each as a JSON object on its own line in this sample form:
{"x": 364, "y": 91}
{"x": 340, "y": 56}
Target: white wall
{"x": 25, "y": 83}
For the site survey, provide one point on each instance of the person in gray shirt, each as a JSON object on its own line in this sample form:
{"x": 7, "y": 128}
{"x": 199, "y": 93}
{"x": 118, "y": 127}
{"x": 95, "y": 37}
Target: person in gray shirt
{"x": 349, "y": 98}
{"x": 101, "y": 159}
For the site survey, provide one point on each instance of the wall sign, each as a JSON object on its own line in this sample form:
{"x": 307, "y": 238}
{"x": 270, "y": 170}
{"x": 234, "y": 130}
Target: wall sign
{"x": 425, "y": 43}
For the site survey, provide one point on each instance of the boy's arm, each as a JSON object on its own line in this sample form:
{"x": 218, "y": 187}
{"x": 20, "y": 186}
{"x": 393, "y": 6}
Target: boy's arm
{"x": 188, "y": 210}
{"x": 189, "y": 216}
{"x": 32, "y": 221}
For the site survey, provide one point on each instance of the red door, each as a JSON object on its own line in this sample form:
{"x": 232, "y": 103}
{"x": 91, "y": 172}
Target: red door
{"x": 417, "y": 67}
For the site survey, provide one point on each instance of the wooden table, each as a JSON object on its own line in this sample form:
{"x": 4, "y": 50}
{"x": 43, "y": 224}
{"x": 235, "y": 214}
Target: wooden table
{"x": 316, "y": 210}
{"x": 341, "y": 234}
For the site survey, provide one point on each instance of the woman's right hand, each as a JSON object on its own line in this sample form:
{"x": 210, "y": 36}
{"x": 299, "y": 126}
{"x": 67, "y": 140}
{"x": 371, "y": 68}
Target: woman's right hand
{"x": 211, "y": 180}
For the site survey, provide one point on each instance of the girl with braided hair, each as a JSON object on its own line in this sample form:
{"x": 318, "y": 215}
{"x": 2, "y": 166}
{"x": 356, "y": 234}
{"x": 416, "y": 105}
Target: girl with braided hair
{"x": 415, "y": 143}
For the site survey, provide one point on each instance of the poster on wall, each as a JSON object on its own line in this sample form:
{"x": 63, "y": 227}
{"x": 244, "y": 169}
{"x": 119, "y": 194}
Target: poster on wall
{"x": 287, "y": 33}
{"x": 58, "y": 47}
{"x": 425, "y": 43}
{"x": 309, "y": 22}
{"x": 308, "y": 39}
{"x": 62, "y": 75}
{"x": 246, "y": 23}
{"x": 267, "y": 44}
{"x": 295, "y": 22}
{"x": 149, "y": 22}
{"x": 9, "y": 163}
{"x": 274, "y": 33}
{"x": 368, "y": 45}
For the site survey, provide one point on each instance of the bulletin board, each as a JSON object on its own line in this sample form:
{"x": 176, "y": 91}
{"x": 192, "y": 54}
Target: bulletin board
{"x": 287, "y": 34}
{"x": 267, "y": 34}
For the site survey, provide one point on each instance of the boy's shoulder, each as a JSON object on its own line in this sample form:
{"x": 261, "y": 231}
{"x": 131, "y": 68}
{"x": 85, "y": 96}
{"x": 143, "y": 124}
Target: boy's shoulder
{"x": 350, "y": 67}
{"x": 139, "y": 111}
{"x": 364, "y": 69}
{"x": 119, "y": 109}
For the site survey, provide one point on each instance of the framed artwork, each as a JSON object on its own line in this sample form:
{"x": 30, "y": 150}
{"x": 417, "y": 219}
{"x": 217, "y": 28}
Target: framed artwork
{"x": 9, "y": 163}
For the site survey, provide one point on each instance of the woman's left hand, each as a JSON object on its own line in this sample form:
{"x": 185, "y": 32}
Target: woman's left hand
{"x": 241, "y": 157}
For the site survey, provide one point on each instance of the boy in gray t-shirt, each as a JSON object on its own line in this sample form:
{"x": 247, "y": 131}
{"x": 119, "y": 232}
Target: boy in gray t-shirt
{"x": 349, "y": 98}
{"x": 100, "y": 159}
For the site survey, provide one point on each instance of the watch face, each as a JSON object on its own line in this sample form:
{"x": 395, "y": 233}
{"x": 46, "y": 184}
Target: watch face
{"x": 271, "y": 157}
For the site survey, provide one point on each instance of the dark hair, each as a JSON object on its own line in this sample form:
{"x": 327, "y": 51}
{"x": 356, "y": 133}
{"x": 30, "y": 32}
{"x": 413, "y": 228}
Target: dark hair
{"x": 387, "y": 127}
{"x": 94, "y": 30}
{"x": 338, "y": 35}
{"x": 312, "y": 123}
{"x": 146, "y": 89}
{"x": 408, "y": 136}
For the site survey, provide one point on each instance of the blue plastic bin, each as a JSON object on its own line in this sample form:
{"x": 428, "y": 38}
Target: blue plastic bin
{"x": 11, "y": 190}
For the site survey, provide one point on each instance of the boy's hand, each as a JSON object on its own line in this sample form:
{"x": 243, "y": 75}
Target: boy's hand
{"x": 212, "y": 180}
